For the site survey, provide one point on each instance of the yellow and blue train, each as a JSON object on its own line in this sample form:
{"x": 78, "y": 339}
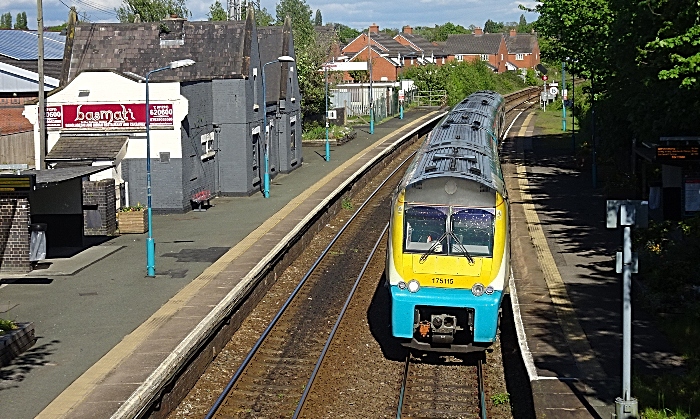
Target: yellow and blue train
{"x": 448, "y": 256}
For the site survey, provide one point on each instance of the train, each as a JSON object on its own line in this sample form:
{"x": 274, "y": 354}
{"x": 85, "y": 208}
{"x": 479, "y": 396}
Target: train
{"x": 448, "y": 252}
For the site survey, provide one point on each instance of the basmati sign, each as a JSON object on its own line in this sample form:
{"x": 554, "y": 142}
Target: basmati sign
{"x": 108, "y": 115}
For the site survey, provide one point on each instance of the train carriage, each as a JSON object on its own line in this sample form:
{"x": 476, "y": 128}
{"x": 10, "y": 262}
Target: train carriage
{"x": 448, "y": 254}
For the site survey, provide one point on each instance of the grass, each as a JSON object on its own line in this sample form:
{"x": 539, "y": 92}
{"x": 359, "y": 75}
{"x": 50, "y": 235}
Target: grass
{"x": 500, "y": 398}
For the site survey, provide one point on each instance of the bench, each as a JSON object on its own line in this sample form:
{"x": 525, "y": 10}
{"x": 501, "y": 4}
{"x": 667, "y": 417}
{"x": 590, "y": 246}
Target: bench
{"x": 200, "y": 198}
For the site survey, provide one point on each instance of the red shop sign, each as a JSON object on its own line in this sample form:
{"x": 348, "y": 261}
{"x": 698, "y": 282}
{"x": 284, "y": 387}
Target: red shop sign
{"x": 108, "y": 115}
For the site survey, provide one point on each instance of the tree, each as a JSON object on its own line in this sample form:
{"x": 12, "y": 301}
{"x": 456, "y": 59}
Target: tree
{"x": 493, "y": 27}
{"x": 523, "y": 27}
{"x": 262, "y": 16}
{"x": 310, "y": 54}
{"x": 151, "y": 10}
{"x": 318, "y": 20}
{"x": 217, "y": 12}
{"x": 345, "y": 33}
{"x": 21, "y": 22}
{"x": 6, "y": 21}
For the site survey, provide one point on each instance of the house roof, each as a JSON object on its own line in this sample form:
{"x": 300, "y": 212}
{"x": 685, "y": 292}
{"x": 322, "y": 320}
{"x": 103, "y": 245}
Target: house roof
{"x": 521, "y": 43}
{"x": 15, "y": 79}
{"x": 141, "y": 47}
{"x": 385, "y": 44}
{"x": 93, "y": 148}
{"x": 273, "y": 42}
{"x": 63, "y": 174}
{"x": 23, "y": 45}
{"x": 487, "y": 43}
{"x": 422, "y": 44}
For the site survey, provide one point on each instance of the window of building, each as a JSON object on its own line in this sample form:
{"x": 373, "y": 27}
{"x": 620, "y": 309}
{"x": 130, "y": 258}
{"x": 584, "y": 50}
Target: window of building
{"x": 484, "y": 57}
{"x": 207, "y": 141}
{"x": 459, "y": 58}
{"x": 519, "y": 57}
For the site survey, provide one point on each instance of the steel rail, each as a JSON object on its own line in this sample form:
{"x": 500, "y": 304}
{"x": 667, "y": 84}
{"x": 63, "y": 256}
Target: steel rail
{"x": 249, "y": 357}
{"x": 307, "y": 388}
{"x": 402, "y": 392}
{"x": 482, "y": 393}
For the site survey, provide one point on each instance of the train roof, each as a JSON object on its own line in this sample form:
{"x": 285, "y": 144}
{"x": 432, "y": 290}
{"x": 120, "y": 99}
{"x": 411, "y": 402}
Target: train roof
{"x": 463, "y": 145}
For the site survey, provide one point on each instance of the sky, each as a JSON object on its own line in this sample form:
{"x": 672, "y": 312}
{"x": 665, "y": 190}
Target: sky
{"x": 355, "y": 14}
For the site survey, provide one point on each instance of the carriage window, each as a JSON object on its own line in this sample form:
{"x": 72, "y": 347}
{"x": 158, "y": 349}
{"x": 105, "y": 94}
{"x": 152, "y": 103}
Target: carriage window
{"x": 474, "y": 228}
{"x": 425, "y": 225}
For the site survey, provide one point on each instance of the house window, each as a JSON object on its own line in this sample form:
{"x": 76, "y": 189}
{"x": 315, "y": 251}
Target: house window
{"x": 501, "y": 57}
{"x": 484, "y": 57}
{"x": 519, "y": 57}
{"x": 443, "y": 60}
{"x": 459, "y": 58}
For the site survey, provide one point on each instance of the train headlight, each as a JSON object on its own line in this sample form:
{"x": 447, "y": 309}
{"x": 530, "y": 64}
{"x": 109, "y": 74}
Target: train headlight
{"x": 478, "y": 289}
{"x": 402, "y": 285}
{"x": 413, "y": 285}
{"x": 489, "y": 290}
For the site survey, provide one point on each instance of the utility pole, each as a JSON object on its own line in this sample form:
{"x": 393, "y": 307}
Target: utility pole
{"x": 42, "y": 98}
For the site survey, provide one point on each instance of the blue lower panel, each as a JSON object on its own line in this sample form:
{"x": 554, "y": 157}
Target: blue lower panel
{"x": 403, "y": 303}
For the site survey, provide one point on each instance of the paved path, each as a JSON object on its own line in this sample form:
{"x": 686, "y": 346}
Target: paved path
{"x": 568, "y": 299}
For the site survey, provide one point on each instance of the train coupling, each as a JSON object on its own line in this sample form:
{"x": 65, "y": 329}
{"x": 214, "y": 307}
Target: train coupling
{"x": 443, "y": 328}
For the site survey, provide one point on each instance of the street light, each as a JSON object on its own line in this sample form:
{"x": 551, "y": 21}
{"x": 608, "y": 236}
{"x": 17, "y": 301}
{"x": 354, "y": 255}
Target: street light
{"x": 150, "y": 244}
{"x": 266, "y": 181}
{"x": 328, "y": 145}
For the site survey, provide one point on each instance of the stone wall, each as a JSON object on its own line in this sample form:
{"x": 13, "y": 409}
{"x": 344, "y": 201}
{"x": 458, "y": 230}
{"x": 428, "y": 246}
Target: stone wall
{"x": 14, "y": 232}
{"x": 99, "y": 208}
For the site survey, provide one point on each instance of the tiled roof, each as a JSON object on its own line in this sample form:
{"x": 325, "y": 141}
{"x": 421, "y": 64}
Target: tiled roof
{"x": 521, "y": 43}
{"x": 221, "y": 49}
{"x": 271, "y": 45}
{"x": 387, "y": 45}
{"x": 86, "y": 148}
{"x": 63, "y": 174}
{"x": 23, "y": 45}
{"x": 424, "y": 45}
{"x": 487, "y": 43}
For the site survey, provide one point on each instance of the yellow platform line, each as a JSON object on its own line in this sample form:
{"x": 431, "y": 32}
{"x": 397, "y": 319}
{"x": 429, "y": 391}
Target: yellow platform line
{"x": 573, "y": 332}
{"x": 75, "y": 393}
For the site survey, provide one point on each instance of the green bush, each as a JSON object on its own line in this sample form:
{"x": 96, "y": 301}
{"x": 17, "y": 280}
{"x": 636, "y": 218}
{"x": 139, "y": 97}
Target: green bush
{"x": 6, "y": 326}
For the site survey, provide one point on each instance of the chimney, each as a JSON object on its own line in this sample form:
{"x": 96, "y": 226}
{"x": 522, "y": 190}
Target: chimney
{"x": 513, "y": 33}
{"x": 374, "y": 28}
{"x": 478, "y": 31}
{"x": 407, "y": 30}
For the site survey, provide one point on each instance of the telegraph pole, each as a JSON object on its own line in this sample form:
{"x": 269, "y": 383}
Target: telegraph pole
{"x": 40, "y": 72}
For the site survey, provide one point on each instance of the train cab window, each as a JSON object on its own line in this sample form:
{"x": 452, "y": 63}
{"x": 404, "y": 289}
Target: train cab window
{"x": 474, "y": 227}
{"x": 423, "y": 226}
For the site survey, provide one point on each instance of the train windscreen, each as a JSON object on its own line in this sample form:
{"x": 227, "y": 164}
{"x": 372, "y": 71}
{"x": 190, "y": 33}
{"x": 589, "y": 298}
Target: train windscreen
{"x": 474, "y": 228}
{"x": 423, "y": 226}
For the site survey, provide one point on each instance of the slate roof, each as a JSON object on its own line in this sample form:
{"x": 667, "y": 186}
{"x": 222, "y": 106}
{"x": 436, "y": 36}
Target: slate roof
{"x": 487, "y": 43}
{"x": 424, "y": 45}
{"x": 87, "y": 148}
{"x": 521, "y": 43}
{"x": 221, "y": 49}
{"x": 23, "y": 45}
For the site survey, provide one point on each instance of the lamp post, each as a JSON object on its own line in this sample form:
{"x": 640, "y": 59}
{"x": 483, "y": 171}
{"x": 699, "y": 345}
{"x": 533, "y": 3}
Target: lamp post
{"x": 563, "y": 89}
{"x": 266, "y": 179}
{"x": 150, "y": 244}
{"x": 328, "y": 145}
{"x": 369, "y": 61}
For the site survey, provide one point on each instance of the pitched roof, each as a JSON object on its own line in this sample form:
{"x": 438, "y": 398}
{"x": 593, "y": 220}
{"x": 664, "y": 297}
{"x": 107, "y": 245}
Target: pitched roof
{"x": 273, "y": 42}
{"x": 487, "y": 43}
{"x": 386, "y": 44}
{"x": 23, "y": 45}
{"x": 221, "y": 49}
{"x": 422, "y": 44}
{"x": 87, "y": 148}
{"x": 521, "y": 43}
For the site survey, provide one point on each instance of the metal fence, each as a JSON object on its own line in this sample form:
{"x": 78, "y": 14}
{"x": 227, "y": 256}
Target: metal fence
{"x": 431, "y": 98}
{"x": 355, "y": 99}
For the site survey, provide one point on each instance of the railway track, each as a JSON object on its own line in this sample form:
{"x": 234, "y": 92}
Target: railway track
{"x": 442, "y": 387}
{"x": 276, "y": 373}
{"x": 297, "y": 368}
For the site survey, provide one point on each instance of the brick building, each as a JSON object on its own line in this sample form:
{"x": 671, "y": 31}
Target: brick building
{"x": 479, "y": 46}
{"x": 523, "y": 50}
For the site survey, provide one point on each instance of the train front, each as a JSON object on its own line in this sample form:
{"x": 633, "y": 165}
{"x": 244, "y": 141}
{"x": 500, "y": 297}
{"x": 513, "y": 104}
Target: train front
{"x": 447, "y": 263}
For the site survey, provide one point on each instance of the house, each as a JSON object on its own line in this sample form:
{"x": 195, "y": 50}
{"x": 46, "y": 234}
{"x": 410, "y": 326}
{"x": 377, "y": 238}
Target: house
{"x": 207, "y": 119}
{"x": 488, "y": 47}
{"x": 386, "y": 55}
{"x": 430, "y": 52}
{"x": 523, "y": 50}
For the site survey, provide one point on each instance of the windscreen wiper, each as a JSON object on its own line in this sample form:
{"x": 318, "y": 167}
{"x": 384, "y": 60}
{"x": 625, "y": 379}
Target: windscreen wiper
{"x": 464, "y": 248}
{"x": 432, "y": 248}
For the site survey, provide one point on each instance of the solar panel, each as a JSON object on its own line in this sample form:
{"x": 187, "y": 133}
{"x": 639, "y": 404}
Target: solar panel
{"x": 22, "y": 45}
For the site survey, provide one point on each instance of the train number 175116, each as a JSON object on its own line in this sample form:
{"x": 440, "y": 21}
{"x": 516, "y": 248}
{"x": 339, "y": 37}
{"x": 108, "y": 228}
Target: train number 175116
{"x": 446, "y": 281}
